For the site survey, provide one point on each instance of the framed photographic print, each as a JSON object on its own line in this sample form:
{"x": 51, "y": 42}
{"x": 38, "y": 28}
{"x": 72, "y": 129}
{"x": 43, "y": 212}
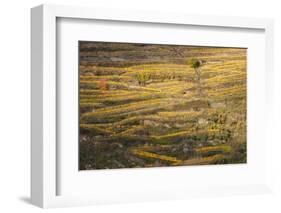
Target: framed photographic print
{"x": 130, "y": 106}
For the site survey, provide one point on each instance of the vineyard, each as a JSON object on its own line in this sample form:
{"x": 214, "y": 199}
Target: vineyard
{"x": 145, "y": 105}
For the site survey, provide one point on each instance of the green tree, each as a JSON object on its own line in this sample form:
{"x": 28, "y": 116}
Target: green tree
{"x": 197, "y": 64}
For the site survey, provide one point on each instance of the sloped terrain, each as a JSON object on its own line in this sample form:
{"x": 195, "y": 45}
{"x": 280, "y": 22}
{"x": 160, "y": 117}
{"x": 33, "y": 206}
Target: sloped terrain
{"x": 142, "y": 105}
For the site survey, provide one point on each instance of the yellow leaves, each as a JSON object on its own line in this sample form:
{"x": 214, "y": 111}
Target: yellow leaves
{"x": 183, "y": 114}
{"x": 144, "y": 88}
{"x": 205, "y": 160}
{"x": 223, "y": 79}
{"x": 107, "y": 77}
{"x": 127, "y": 97}
{"x": 102, "y": 93}
{"x": 133, "y": 130}
{"x": 141, "y": 153}
{"x": 161, "y": 71}
{"x": 173, "y": 135}
{"x": 144, "y": 152}
{"x": 126, "y": 107}
{"x": 99, "y": 70}
{"x": 221, "y": 148}
{"x": 89, "y": 81}
{"x": 93, "y": 128}
{"x": 158, "y": 67}
{"x": 228, "y": 91}
{"x": 188, "y": 133}
{"x": 90, "y": 104}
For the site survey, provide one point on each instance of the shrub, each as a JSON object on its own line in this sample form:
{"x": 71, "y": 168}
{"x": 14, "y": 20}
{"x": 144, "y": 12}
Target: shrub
{"x": 103, "y": 85}
{"x": 142, "y": 78}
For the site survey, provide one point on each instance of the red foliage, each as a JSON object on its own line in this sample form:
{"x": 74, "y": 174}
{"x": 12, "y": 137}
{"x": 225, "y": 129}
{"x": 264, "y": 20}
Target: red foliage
{"x": 102, "y": 84}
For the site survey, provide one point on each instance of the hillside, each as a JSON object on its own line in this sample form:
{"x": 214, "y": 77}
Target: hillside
{"x": 143, "y": 105}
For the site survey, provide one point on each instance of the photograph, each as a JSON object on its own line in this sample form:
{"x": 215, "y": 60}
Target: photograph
{"x": 158, "y": 105}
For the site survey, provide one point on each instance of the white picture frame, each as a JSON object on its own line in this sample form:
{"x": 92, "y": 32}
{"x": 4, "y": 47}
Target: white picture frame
{"x": 44, "y": 154}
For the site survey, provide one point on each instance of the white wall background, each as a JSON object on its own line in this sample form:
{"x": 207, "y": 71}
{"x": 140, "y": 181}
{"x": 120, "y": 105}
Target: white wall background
{"x": 15, "y": 105}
